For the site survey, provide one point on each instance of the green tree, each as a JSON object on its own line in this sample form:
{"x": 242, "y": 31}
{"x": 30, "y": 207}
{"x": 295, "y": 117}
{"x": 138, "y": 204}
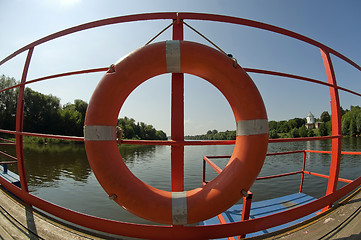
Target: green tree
{"x": 303, "y": 131}
{"x": 351, "y": 124}
{"x": 292, "y": 123}
{"x": 323, "y": 130}
{"x": 345, "y": 124}
{"x": 161, "y": 135}
{"x": 283, "y": 127}
{"x": 72, "y": 116}
{"x": 294, "y": 133}
{"x": 70, "y": 121}
{"x": 132, "y": 130}
{"x": 358, "y": 123}
{"x": 273, "y": 134}
{"x": 325, "y": 117}
{"x": 41, "y": 112}
{"x": 343, "y": 111}
{"x": 329, "y": 127}
{"x": 310, "y": 133}
{"x": 273, "y": 125}
{"x": 352, "y": 128}
{"x": 297, "y": 122}
{"x": 8, "y": 100}
{"x": 81, "y": 107}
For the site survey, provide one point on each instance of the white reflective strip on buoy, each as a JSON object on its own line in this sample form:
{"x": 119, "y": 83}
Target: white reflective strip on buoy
{"x": 252, "y": 127}
{"x": 100, "y": 133}
{"x": 179, "y": 208}
{"x": 172, "y": 53}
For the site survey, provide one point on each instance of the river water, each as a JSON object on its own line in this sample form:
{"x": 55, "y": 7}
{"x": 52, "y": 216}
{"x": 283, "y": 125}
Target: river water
{"x": 61, "y": 173}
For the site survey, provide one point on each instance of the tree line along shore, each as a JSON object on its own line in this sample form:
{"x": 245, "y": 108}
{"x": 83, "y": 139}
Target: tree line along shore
{"x": 44, "y": 114}
{"x": 296, "y": 127}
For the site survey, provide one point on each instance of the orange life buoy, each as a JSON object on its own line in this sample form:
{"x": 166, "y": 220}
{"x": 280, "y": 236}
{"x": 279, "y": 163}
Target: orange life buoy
{"x": 186, "y": 207}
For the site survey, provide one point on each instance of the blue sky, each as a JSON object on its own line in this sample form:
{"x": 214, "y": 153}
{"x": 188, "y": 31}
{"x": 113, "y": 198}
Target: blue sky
{"x": 333, "y": 23}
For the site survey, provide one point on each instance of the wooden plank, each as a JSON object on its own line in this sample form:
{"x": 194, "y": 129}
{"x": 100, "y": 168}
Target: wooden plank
{"x": 11, "y": 229}
{"x": 19, "y": 221}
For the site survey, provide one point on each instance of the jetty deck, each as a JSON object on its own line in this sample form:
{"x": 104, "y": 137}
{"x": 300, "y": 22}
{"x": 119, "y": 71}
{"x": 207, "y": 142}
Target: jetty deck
{"x": 341, "y": 222}
{"x": 19, "y": 221}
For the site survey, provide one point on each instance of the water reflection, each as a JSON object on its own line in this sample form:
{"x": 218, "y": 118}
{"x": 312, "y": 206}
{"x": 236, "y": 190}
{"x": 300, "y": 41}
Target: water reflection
{"x": 48, "y": 164}
{"x": 133, "y": 153}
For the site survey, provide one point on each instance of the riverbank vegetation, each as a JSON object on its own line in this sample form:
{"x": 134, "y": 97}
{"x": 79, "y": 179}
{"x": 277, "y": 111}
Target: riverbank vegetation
{"x": 296, "y": 127}
{"x": 44, "y": 114}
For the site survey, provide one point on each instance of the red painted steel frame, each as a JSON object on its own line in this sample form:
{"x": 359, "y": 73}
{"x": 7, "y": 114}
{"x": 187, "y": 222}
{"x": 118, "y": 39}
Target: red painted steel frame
{"x": 303, "y": 170}
{"x": 177, "y": 120}
{"x": 178, "y": 143}
{"x": 246, "y": 209}
{"x": 186, "y": 232}
{"x": 19, "y": 124}
{"x": 336, "y": 125}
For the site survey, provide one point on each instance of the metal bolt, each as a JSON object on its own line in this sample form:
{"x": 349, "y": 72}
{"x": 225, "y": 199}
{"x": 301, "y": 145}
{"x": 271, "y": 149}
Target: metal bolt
{"x": 244, "y": 193}
{"x": 111, "y": 69}
{"x": 119, "y": 134}
{"x": 112, "y": 197}
{"x": 234, "y": 60}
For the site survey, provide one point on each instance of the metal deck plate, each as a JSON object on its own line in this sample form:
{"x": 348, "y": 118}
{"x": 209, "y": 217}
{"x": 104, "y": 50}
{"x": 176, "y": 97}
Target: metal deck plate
{"x": 264, "y": 208}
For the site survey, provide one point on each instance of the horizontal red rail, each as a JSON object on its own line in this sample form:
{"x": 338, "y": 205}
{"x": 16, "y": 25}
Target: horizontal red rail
{"x": 168, "y": 232}
{"x": 221, "y": 156}
{"x": 93, "y": 70}
{"x": 43, "y": 135}
{"x": 218, "y": 170}
{"x": 268, "y": 154}
{"x": 213, "y": 165}
{"x": 159, "y": 142}
{"x": 329, "y": 152}
{"x": 169, "y": 143}
{"x": 325, "y": 176}
{"x": 285, "y": 153}
{"x": 175, "y": 15}
{"x": 8, "y": 162}
{"x": 6, "y": 140}
{"x": 278, "y": 175}
{"x": 280, "y": 74}
{"x": 11, "y": 144}
{"x": 252, "y": 70}
{"x": 7, "y": 155}
{"x": 219, "y": 142}
{"x": 303, "y": 139}
{"x": 183, "y": 143}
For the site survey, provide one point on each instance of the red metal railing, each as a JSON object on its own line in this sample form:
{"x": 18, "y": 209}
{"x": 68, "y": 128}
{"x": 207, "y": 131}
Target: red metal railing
{"x": 177, "y": 142}
{"x": 247, "y": 200}
{"x": 206, "y": 159}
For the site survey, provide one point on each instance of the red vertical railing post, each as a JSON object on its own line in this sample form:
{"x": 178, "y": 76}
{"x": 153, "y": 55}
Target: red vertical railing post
{"x": 204, "y": 172}
{"x": 177, "y": 120}
{"x": 19, "y": 124}
{"x": 336, "y": 125}
{"x": 246, "y": 209}
{"x": 303, "y": 170}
